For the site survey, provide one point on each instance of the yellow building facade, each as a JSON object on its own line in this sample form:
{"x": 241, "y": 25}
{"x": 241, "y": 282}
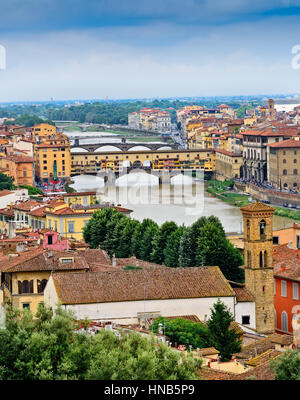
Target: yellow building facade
{"x": 69, "y": 221}
{"x": 52, "y": 153}
{"x": 43, "y": 130}
{"x": 25, "y": 276}
{"x": 53, "y": 161}
{"x": 92, "y": 163}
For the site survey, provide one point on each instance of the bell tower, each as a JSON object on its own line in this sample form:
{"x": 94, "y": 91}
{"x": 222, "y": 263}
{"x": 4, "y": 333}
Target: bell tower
{"x": 271, "y": 111}
{"x": 258, "y": 255}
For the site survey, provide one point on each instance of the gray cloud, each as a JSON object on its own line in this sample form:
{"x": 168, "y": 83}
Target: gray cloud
{"x": 153, "y": 60}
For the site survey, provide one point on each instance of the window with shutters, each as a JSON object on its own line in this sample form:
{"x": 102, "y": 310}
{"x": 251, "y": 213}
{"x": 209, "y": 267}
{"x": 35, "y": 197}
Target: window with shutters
{"x": 284, "y": 321}
{"x": 295, "y": 291}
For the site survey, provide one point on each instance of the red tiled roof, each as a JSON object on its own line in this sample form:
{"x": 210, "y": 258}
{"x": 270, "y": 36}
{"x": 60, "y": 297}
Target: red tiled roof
{"x": 286, "y": 340}
{"x": 63, "y": 211}
{"x": 74, "y": 194}
{"x": 257, "y": 206}
{"x": 21, "y": 159}
{"x": 285, "y": 144}
{"x": 228, "y": 153}
{"x": 38, "y": 260}
{"x": 286, "y": 262}
{"x": 26, "y": 205}
{"x": 242, "y": 294}
{"x": 207, "y": 351}
{"x": 5, "y": 192}
{"x": 258, "y": 347}
{"x": 160, "y": 283}
{"x": 39, "y": 212}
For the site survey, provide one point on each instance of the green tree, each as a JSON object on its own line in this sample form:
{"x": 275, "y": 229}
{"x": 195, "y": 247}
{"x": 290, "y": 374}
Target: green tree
{"x": 223, "y": 338}
{"x": 124, "y": 244}
{"x": 287, "y": 366}
{"x": 160, "y": 241}
{"x": 133, "y": 357}
{"x": 6, "y": 182}
{"x": 181, "y": 331}
{"x": 171, "y": 251}
{"x": 138, "y": 235}
{"x": 32, "y": 190}
{"x": 214, "y": 249}
{"x": 47, "y": 347}
{"x": 146, "y": 242}
{"x": 100, "y": 227}
{"x": 187, "y": 249}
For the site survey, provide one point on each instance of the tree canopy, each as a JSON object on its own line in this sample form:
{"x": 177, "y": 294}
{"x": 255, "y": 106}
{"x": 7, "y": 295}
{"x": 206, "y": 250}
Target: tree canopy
{"x": 49, "y": 347}
{"x": 202, "y": 244}
{"x": 287, "y": 366}
{"x": 182, "y": 331}
{"x": 223, "y": 338}
{"x": 6, "y": 182}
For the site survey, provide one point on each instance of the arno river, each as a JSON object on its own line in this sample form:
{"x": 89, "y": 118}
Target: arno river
{"x": 182, "y": 203}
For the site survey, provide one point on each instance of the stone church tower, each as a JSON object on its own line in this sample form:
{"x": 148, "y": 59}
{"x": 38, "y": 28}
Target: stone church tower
{"x": 271, "y": 110}
{"x": 258, "y": 254}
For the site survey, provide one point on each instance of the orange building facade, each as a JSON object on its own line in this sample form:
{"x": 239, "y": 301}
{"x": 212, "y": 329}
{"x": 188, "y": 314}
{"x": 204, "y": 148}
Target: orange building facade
{"x": 19, "y": 168}
{"x": 286, "y": 286}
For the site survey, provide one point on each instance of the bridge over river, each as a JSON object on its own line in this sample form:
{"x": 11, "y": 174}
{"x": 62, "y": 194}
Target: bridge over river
{"x": 117, "y": 146}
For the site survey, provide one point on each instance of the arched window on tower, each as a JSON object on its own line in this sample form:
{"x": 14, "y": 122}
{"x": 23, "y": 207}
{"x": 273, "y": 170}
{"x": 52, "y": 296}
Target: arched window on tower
{"x": 262, "y": 229}
{"x": 265, "y": 259}
{"x": 248, "y": 229}
{"x": 261, "y": 259}
{"x": 249, "y": 259}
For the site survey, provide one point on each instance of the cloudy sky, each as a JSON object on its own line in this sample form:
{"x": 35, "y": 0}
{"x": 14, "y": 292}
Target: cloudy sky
{"x": 84, "y": 49}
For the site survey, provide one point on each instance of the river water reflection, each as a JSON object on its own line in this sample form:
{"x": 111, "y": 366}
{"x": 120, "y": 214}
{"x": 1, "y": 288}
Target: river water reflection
{"x": 182, "y": 204}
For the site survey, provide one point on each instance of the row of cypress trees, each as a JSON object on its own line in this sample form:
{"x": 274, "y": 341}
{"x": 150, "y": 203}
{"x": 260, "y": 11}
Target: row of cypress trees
{"x": 203, "y": 243}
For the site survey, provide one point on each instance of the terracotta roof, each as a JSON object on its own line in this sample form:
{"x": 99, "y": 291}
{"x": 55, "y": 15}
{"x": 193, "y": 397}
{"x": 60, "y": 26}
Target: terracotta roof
{"x": 263, "y": 358}
{"x": 192, "y": 318}
{"x": 286, "y": 340}
{"x": 5, "y": 192}
{"x": 235, "y": 326}
{"x": 263, "y": 370}
{"x": 38, "y": 260}
{"x": 70, "y": 210}
{"x": 97, "y": 261}
{"x": 7, "y": 211}
{"x": 209, "y": 374}
{"x": 161, "y": 283}
{"x": 21, "y": 159}
{"x": 74, "y": 194}
{"x": 208, "y": 351}
{"x": 242, "y": 294}
{"x": 26, "y": 205}
{"x": 285, "y": 144}
{"x": 8, "y": 262}
{"x": 44, "y": 145}
{"x": 258, "y": 347}
{"x": 39, "y": 212}
{"x": 228, "y": 153}
{"x": 257, "y": 206}
{"x": 63, "y": 211}
{"x": 286, "y": 262}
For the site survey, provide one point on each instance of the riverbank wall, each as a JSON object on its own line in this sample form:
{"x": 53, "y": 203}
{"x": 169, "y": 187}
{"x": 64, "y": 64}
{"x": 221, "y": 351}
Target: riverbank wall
{"x": 276, "y": 198}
